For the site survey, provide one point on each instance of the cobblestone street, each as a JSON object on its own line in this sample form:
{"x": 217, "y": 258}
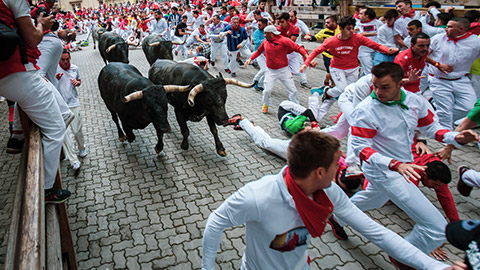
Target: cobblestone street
{"x": 133, "y": 209}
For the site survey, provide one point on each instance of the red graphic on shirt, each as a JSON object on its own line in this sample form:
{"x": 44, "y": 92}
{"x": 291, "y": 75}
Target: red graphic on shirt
{"x": 290, "y": 240}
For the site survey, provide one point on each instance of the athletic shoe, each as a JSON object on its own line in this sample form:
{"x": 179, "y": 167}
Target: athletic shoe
{"x": 15, "y": 146}
{"x": 76, "y": 168}
{"x": 82, "y": 153}
{"x": 325, "y": 95}
{"x": 258, "y": 88}
{"x": 400, "y": 265}
{"x": 353, "y": 172}
{"x": 318, "y": 90}
{"x": 337, "y": 230}
{"x": 55, "y": 195}
{"x": 462, "y": 187}
{"x": 305, "y": 84}
{"x": 240, "y": 62}
{"x": 265, "y": 108}
{"x": 255, "y": 65}
{"x": 234, "y": 119}
{"x": 228, "y": 71}
{"x": 212, "y": 63}
{"x": 234, "y": 74}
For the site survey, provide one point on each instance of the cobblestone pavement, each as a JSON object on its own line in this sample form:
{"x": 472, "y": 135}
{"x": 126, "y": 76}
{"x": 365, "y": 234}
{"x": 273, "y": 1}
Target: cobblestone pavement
{"x": 132, "y": 209}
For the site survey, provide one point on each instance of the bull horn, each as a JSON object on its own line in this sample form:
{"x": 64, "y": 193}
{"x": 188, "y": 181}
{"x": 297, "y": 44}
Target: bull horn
{"x": 154, "y": 44}
{"x": 111, "y": 48}
{"x": 178, "y": 43}
{"x": 133, "y": 96}
{"x": 191, "y": 96}
{"x": 239, "y": 83}
{"x": 132, "y": 44}
{"x": 175, "y": 88}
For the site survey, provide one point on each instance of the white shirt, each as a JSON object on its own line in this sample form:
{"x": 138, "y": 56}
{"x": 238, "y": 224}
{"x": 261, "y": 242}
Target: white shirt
{"x": 160, "y": 26}
{"x": 65, "y": 86}
{"x": 198, "y": 21}
{"x": 303, "y": 30}
{"x": 460, "y": 54}
{"x": 386, "y": 36}
{"x": 400, "y": 25}
{"x": 268, "y": 211}
{"x": 369, "y": 27}
{"x": 192, "y": 38}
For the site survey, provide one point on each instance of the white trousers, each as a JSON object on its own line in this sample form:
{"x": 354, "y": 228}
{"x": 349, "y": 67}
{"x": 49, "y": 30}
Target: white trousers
{"x": 429, "y": 230}
{"x": 366, "y": 60}
{"x": 51, "y": 49}
{"x": 285, "y": 76}
{"x": 453, "y": 99}
{"x": 264, "y": 141}
{"x": 35, "y": 95}
{"x": 260, "y": 76}
{"x": 295, "y": 61}
{"x": 75, "y": 130}
{"x": 472, "y": 178}
{"x": 222, "y": 47}
{"x": 232, "y": 57}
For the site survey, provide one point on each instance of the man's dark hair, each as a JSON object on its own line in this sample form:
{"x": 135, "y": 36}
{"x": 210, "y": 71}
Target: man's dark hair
{"x": 303, "y": 154}
{"x": 223, "y": 8}
{"x": 262, "y": 1}
{"x": 391, "y": 69}
{"x": 175, "y": 8}
{"x": 66, "y": 51}
{"x": 419, "y": 35}
{"x": 433, "y": 4}
{"x": 445, "y": 17}
{"x": 463, "y": 22}
{"x": 416, "y": 23}
{"x": 332, "y": 17}
{"x": 438, "y": 171}
{"x": 284, "y": 16}
{"x": 257, "y": 12}
{"x": 390, "y": 14}
{"x": 216, "y": 16}
{"x": 406, "y": 2}
{"x": 158, "y": 12}
{"x": 347, "y": 20}
{"x": 294, "y": 12}
{"x": 264, "y": 21}
{"x": 370, "y": 13}
{"x": 231, "y": 8}
{"x": 184, "y": 17}
{"x": 472, "y": 15}
{"x": 195, "y": 12}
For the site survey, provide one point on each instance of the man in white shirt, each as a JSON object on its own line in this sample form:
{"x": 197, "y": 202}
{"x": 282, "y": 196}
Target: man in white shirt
{"x": 68, "y": 79}
{"x": 404, "y": 7}
{"x": 160, "y": 25}
{"x": 283, "y": 212}
{"x": 367, "y": 26}
{"x": 386, "y": 37}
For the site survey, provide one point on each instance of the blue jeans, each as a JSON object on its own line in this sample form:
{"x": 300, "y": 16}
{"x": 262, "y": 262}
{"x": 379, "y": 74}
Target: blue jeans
{"x": 380, "y": 57}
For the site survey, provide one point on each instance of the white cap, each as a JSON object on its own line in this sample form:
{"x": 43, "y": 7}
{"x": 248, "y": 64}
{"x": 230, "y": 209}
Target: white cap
{"x": 271, "y": 29}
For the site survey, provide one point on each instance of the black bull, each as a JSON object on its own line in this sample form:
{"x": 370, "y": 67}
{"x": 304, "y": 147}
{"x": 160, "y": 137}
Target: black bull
{"x": 113, "y": 48}
{"x": 156, "y": 47}
{"x": 206, "y": 98}
{"x": 135, "y": 100}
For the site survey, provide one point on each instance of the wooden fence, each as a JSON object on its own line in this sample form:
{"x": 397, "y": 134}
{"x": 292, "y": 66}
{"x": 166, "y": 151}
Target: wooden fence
{"x": 39, "y": 236}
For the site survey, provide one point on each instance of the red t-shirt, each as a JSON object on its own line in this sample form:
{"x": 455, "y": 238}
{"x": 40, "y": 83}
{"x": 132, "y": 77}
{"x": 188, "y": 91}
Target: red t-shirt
{"x": 276, "y": 51}
{"x": 408, "y": 63}
{"x": 292, "y": 30}
{"x": 345, "y": 52}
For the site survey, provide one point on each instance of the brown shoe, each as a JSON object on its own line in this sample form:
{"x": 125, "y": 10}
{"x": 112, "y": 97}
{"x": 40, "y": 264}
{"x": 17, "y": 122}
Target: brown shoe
{"x": 462, "y": 187}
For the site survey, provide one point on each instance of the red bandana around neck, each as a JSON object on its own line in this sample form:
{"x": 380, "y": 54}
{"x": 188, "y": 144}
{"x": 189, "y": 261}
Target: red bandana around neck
{"x": 411, "y": 14}
{"x": 367, "y": 21}
{"x": 314, "y": 213}
{"x": 464, "y": 36}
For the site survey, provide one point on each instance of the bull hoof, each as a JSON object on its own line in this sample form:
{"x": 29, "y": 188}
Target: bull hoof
{"x": 157, "y": 150}
{"x": 222, "y": 153}
{"x": 123, "y": 138}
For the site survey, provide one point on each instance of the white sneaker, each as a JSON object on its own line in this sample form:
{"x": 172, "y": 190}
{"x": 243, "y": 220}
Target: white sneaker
{"x": 82, "y": 153}
{"x": 353, "y": 171}
{"x": 76, "y": 165}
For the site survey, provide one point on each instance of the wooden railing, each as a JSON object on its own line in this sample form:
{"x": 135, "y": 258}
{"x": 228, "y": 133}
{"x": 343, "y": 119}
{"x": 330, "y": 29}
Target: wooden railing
{"x": 39, "y": 236}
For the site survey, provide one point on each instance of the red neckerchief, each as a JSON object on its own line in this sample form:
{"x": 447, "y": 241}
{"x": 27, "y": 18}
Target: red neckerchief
{"x": 202, "y": 32}
{"x": 293, "y": 22}
{"x": 314, "y": 213}
{"x": 411, "y": 14}
{"x": 464, "y": 36}
{"x": 367, "y": 21}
